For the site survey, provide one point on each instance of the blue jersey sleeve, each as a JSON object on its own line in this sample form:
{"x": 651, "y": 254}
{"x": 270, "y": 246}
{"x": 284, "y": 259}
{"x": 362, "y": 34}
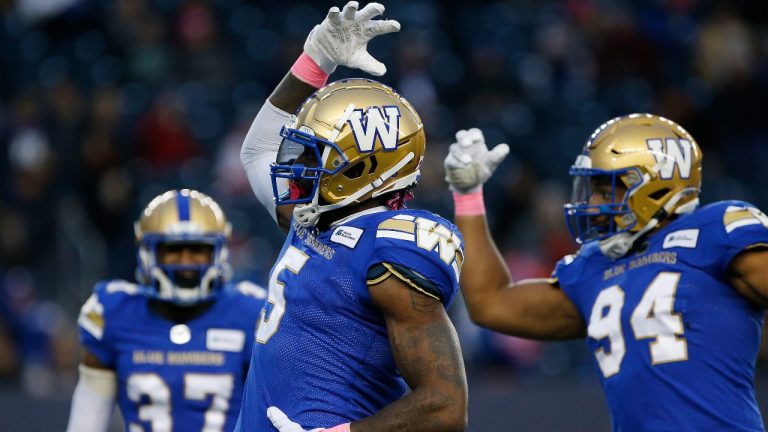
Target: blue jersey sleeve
{"x": 572, "y": 270}
{"x": 565, "y": 271}
{"x": 423, "y": 250}
{"x": 736, "y": 226}
{"x": 96, "y": 314}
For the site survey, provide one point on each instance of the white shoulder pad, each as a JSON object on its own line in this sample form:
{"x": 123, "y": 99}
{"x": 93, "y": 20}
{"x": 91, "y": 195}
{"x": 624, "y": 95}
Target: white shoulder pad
{"x": 122, "y": 286}
{"x": 251, "y": 289}
{"x": 91, "y": 317}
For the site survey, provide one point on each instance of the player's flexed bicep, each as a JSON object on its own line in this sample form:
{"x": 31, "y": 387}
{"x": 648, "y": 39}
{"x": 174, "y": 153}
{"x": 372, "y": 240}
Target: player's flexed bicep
{"x": 749, "y": 275}
{"x": 427, "y": 353}
{"x": 746, "y": 236}
{"x": 533, "y": 309}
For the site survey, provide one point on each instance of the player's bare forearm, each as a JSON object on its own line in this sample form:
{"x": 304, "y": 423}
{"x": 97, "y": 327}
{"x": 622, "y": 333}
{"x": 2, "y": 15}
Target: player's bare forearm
{"x": 290, "y": 93}
{"x": 484, "y": 271}
{"x": 534, "y": 309}
{"x": 426, "y": 350}
{"x": 425, "y": 353}
{"x": 748, "y": 274}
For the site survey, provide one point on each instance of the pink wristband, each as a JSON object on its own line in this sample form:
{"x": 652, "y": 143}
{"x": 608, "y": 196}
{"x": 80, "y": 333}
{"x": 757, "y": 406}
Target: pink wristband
{"x": 340, "y": 428}
{"x": 308, "y": 71}
{"x": 470, "y": 204}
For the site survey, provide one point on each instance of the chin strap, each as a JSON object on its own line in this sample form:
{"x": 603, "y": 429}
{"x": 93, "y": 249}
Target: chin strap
{"x": 308, "y": 214}
{"x": 616, "y": 246}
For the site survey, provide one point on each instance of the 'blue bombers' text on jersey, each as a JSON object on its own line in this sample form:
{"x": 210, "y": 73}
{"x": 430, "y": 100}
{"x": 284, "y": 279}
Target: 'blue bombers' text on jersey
{"x": 173, "y": 377}
{"x": 322, "y": 354}
{"x": 675, "y": 344}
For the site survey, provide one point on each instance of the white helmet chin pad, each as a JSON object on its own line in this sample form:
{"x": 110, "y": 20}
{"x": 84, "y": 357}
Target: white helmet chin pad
{"x": 168, "y": 291}
{"x": 308, "y": 214}
{"x": 616, "y": 246}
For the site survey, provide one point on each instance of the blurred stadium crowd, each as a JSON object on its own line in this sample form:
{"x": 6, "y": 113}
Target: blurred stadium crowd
{"x": 106, "y": 103}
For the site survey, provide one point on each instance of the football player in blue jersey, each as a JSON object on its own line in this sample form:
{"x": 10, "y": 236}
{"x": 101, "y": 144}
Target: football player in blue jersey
{"x": 669, "y": 295}
{"x": 356, "y": 306}
{"x": 172, "y": 350}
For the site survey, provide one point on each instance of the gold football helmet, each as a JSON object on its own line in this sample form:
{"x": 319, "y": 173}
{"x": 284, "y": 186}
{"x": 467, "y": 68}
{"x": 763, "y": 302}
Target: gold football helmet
{"x": 182, "y": 217}
{"x": 657, "y": 162}
{"x": 351, "y": 141}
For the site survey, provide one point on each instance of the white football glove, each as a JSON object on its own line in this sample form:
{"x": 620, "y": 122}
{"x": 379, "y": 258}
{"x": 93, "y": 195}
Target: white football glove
{"x": 469, "y": 163}
{"x": 283, "y": 423}
{"x": 342, "y": 38}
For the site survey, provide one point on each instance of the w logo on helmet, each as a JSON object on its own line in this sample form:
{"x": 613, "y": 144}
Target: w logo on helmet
{"x": 366, "y": 128}
{"x": 671, "y": 153}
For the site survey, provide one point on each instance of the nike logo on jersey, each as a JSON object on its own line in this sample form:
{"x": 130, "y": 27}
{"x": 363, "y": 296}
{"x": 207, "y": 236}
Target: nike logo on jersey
{"x": 347, "y": 236}
{"x": 224, "y": 340}
{"x": 366, "y": 128}
{"x": 687, "y": 238}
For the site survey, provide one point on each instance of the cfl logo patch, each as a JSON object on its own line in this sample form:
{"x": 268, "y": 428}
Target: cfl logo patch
{"x": 382, "y": 123}
{"x": 671, "y": 153}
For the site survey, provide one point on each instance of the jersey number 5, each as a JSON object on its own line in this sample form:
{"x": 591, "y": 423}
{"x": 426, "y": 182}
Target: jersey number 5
{"x": 292, "y": 260}
{"x": 653, "y": 318}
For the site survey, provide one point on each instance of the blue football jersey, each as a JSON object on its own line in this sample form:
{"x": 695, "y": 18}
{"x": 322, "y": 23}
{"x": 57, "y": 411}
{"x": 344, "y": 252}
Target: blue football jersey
{"x": 173, "y": 377}
{"x": 675, "y": 345}
{"x": 322, "y": 353}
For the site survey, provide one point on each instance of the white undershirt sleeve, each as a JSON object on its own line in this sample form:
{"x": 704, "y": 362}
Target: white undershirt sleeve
{"x": 260, "y": 150}
{"x": 93, "y": 400}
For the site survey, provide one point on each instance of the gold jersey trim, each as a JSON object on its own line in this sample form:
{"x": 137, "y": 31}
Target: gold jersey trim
{"x": 398, "y": 225}
{"x": 391, "y": 271}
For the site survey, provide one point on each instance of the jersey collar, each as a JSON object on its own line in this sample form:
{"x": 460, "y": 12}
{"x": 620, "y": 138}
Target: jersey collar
{"x": 353, "y": 216}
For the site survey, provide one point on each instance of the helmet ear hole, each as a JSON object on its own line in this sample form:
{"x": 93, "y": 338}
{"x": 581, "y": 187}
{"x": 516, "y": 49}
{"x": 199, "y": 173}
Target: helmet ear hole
{"x": 659, "y": 194}
{"x": 374, "y": 164}
{"x": 355, "y": 171}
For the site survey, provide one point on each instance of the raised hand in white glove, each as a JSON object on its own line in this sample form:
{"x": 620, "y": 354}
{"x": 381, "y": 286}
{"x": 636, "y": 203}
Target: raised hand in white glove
{"x": 283, "y": 423}
{"x": 469, "y": 163}
{"x": 342, "y": 38}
